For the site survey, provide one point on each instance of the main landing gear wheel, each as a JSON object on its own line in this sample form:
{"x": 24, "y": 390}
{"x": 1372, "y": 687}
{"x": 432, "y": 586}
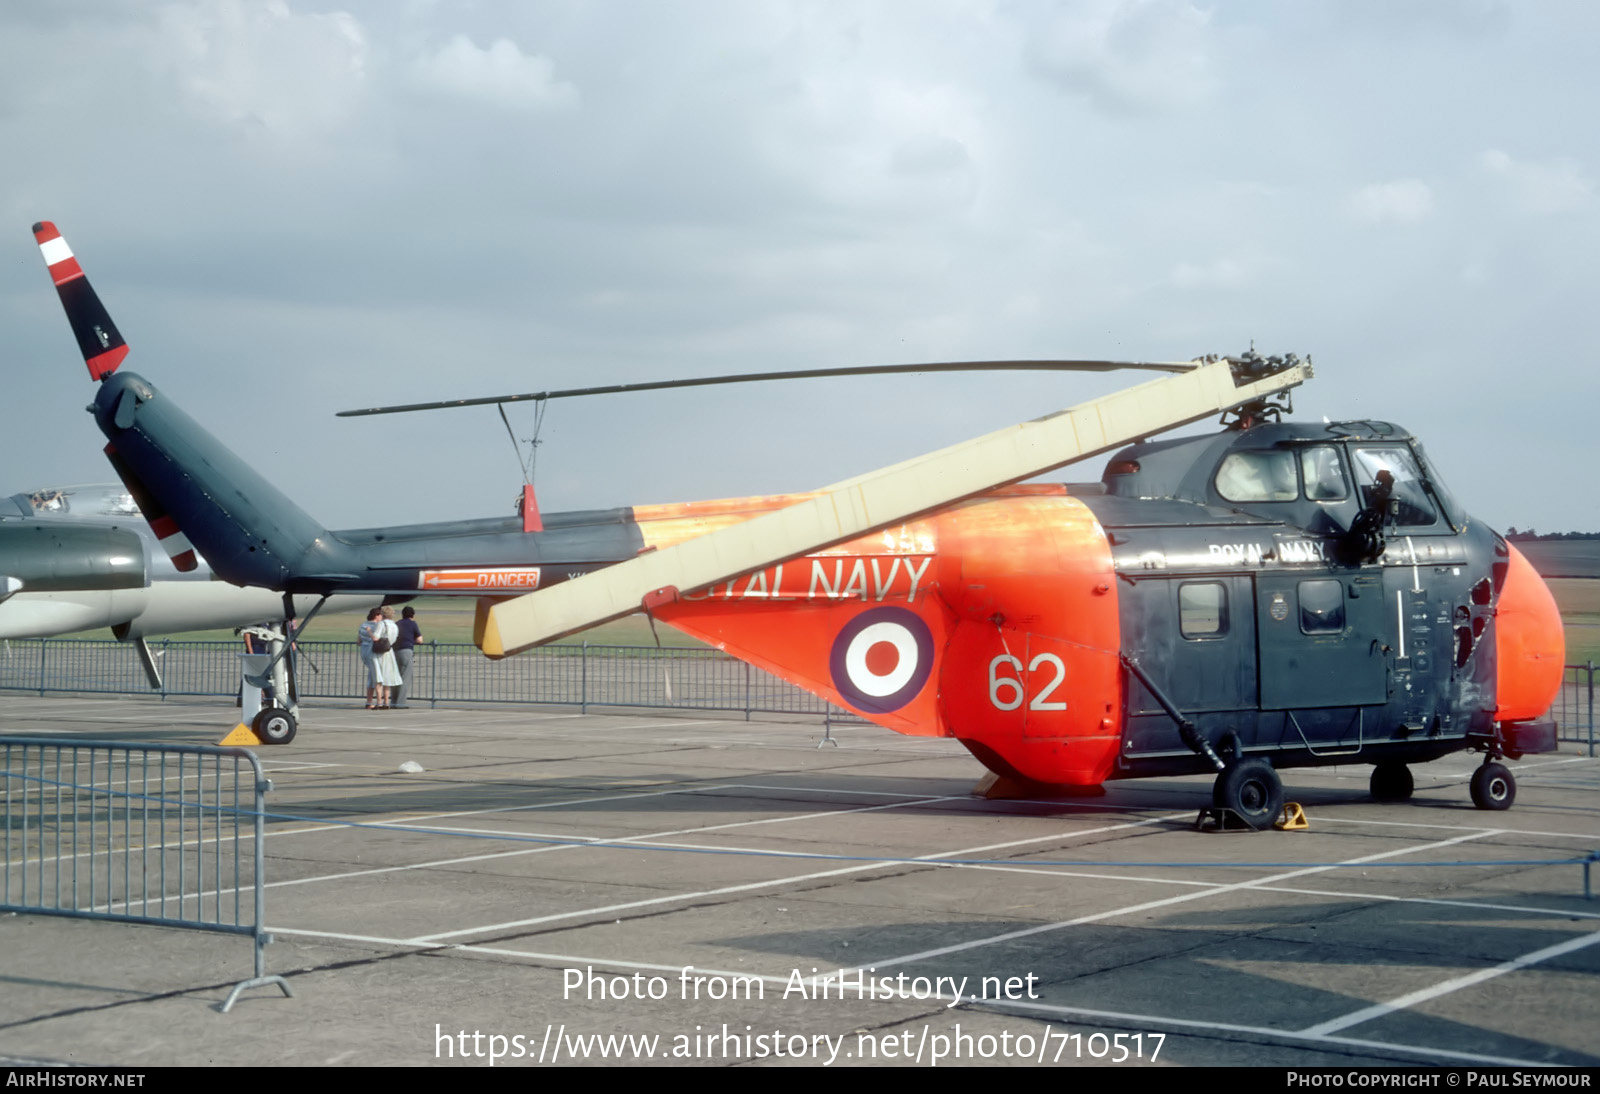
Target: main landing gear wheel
{"x": 1391, "y": 782}
{"x": 1252, "y": 789}
{"x": 1493, "y": 787}
{"x": 274, "y": 725}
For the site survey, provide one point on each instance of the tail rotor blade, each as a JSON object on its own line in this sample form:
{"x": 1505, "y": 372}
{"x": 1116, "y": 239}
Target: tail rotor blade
{"x": 98, "y": 338}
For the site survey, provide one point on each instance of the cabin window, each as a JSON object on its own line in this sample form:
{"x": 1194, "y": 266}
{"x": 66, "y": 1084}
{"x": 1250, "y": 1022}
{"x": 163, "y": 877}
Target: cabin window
{"x": 1202, "y": 609}
{"x": 1323, "y": 473}
{"x": 1322, "y": 607}
{"x": 1258, "y": 476}
{"x": 1415, "y": 507}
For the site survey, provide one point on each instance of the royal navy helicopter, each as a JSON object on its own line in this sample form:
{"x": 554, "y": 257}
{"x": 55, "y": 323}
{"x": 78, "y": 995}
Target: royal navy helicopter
{"x": 1275, "y": 594}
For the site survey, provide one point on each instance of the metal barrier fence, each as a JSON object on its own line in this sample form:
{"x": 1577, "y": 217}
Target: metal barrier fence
{"x": 168, "y": 835}
{"x": 580, "y": 676}
{"x": 1573, "y": 709}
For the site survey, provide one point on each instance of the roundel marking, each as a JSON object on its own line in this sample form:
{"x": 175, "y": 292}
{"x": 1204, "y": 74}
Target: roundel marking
{"x": 882, "y": 658}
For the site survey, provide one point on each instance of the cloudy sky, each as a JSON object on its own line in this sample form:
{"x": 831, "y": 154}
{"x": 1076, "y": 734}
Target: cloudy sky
{"x": 293, "y": 208}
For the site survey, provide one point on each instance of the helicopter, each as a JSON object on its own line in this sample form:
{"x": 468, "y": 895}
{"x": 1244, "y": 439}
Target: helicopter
{"x": 1275, "y": 594}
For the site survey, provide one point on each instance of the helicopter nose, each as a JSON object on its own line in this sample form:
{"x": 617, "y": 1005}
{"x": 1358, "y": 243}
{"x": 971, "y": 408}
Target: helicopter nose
{"x": 1530, "y": 644}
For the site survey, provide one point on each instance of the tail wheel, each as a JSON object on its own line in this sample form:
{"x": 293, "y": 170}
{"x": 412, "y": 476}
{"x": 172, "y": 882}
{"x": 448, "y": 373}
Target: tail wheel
{"x": 1391, "y": 782}
{"x": 1252, "y": 789}
{"x": 1493, "y": 787}
{"x": 274, "y": 725}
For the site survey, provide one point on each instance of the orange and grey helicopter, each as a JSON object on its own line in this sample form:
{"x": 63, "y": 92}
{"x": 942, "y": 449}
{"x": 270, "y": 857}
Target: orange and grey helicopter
{"x": 1275, "y": 594}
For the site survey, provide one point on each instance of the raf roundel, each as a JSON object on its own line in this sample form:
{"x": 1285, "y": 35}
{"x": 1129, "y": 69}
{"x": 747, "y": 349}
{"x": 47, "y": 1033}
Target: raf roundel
{"x": 881, "y": 659}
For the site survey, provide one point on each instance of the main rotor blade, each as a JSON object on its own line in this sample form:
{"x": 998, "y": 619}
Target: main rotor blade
{"x": 797, "y": 374}
{"x": 877, "y": 500}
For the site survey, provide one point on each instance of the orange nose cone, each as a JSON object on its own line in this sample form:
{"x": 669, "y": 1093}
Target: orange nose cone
{"x": 1530, "y": 645}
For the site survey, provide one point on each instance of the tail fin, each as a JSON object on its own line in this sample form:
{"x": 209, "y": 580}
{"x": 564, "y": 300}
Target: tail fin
{"x": 197, "y": 495}
{"x": 98, "y": 338}
{"x": 193, "y": 490}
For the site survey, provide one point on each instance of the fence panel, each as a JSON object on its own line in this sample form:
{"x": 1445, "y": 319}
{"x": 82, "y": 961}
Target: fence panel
{"x": 583, "y": 676}
{"x": 168, "y": 835}
{"x": 1573, "y": 709}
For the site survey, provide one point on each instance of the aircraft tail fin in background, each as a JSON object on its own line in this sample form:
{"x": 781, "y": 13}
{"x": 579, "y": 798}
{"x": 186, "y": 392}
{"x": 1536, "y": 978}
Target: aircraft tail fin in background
{"x": 98, "y": 338}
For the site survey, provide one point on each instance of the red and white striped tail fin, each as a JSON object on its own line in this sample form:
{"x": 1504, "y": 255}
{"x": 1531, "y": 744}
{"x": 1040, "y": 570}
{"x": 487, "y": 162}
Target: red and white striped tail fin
{"x": 173, "y": 541}
{"x": 98, "y": 337}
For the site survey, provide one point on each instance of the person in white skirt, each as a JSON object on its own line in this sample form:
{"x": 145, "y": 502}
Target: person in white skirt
{"x": 376, "y": 637}
{"x": 388, "y": 667}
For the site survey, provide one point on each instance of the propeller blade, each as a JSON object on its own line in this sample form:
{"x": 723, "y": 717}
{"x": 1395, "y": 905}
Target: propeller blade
{"x": 797, "y": 374}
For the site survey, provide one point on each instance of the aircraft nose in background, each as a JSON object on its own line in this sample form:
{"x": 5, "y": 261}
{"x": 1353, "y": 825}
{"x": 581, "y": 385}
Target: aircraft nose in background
{"x": 1530, "y": 644}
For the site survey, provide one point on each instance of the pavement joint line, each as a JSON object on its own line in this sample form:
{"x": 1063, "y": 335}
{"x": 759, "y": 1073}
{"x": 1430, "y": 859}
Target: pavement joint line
{"x": 1459, "y": 828}
{"x": 793, "y": 879}
{"x": 1446, "y": 987}
{"x": 1524, "y": 909}
{"x": 501, "y": 731}
{"x": 1137, "y": 1021}
{"x": 1093, "y": 917}
{"x": 426, "y": 818}
{"x": 821, "y": 790}
{"x": 1051, "y": 802}
{"x": 1388, "y": 898}
{"x": 1063, "y": 872}
{"x": 1295, "y": 1036}
{"x": 589, "y": 841}
{"x": 395, "y": 822}
{"x": 594, "y": 841}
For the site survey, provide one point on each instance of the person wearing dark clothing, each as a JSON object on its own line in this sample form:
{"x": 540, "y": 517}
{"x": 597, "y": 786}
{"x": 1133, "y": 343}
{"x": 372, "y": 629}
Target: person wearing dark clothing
{"x": 404, "y": 648}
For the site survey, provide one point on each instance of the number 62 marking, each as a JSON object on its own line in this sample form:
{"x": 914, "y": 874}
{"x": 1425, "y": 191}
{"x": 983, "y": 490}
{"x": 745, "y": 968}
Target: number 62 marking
{"x": 1012, "y": 686}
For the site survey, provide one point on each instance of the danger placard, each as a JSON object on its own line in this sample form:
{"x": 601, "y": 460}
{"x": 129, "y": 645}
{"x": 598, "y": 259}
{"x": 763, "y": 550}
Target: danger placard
{"x": 505, "y": 577}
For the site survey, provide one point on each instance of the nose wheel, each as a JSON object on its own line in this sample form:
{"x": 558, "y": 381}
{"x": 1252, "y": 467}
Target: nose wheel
{"x": 274, "y": 725}
{"x": 1493, "y": 786}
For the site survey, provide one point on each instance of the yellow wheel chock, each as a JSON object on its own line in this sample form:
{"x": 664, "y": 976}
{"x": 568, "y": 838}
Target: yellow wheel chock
{"x": 1293, "y": 819}
{"x": 242, "y": 735}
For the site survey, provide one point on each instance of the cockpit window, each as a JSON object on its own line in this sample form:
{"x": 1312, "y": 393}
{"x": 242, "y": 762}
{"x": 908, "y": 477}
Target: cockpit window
{"x": 104, "y": 500}
{"x": 1415, "y": 507}
{"x": 49, "y": 501}
{"x": 1323, "y": 473}
{"x": 1258, "y": 476}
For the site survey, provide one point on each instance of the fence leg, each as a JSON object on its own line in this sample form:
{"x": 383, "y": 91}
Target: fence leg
{"x": 583, "y": 685}
{"x": 1590, "y": 666}
{"x": 260, "y": 937}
